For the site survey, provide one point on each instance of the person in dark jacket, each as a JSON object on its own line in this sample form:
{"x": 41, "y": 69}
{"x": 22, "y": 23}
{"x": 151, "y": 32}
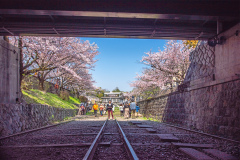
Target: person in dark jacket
{"x": 109, "y": 109}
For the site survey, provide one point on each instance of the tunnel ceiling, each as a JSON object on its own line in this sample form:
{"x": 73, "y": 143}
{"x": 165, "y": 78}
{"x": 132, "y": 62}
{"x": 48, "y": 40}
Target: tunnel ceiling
{"x": 159, "y": 19}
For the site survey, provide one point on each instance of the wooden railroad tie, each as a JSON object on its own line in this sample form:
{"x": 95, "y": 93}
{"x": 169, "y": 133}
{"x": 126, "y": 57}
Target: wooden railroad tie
{"x": 106, "y": 144}
{"x": 190, "y": 145}
{"x": 144, "y": 126}
{"x": 195, "y": 154}
{"x": 135, "y": 122}
{"x": 150, "y": 130}
{"x": 50, "y": 145}
{"x": 219, "y": 154}
{"x": 61, "y": 145}
{"x": 49, "y": 135}
{"x": 168, "y": 138}
{"x": 150, "y": 144}
{"x": 111, "y": 133}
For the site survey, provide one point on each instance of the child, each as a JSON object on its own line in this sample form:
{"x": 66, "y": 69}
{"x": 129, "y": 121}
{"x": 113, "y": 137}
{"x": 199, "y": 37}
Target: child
{"x": 101, "y": 109}
{"x": 137, "y": 109}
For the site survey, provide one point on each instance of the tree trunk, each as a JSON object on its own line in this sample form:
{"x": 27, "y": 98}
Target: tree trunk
{"x": 41, "y": 84}
{"x": 41, "y": 81}
{"x": 21, "y": 100}
{"x": 61, "y": 87}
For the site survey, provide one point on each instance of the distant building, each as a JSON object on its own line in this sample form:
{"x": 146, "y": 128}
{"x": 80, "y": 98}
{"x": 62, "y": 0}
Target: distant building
{"x": 93, "y": 99}
{"x": 115, "y": 97}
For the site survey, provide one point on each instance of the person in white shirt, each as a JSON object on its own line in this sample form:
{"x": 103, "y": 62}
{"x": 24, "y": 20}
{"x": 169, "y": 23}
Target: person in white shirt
{"x": 121, "y": 109}
{"x": 113, "y": 108}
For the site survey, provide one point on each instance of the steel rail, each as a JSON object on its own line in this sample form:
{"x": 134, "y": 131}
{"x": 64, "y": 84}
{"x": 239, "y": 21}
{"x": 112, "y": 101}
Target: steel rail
{"x": 90, "y": 153}
{"x": 130, "y": 151}
{"x": 202, "y": 133}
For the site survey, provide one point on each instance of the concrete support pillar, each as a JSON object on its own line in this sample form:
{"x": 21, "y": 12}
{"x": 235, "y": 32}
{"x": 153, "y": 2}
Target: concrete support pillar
{"x": 9, "y": 71}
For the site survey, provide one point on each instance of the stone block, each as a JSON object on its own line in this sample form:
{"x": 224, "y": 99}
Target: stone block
{"x": 221, "y": 130}
{"x": 236, "y": 122}
{"x": 212, "y": 129}
{"x": 190, "y": 145}
{"x": 219, "y": 154}
{"x": 195, "y": 154}
{"x": 168, "y": 137}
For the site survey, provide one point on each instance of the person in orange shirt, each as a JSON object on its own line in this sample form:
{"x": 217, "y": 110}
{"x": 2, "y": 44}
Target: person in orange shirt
{"x": 95, "y": 108}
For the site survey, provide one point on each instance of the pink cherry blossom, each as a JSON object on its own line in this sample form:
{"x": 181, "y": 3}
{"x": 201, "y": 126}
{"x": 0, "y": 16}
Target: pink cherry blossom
{"x": 165, "y": 68}
{"x": 67, "y": 59}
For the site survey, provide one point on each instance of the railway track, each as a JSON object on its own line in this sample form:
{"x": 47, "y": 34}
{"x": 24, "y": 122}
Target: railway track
{"x": 115, "y": 139}
{"x": 89, "y": 139}
{"x": 65, "y": 141}
{"x": 111, "y": 143}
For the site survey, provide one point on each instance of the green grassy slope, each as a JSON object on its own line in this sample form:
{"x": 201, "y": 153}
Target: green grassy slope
{"x": 40, "y": 97}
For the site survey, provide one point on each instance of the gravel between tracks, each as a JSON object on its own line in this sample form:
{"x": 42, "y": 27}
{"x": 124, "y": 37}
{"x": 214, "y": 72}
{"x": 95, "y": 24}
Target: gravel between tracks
{"x": 143, "y": 139}
{"x": 111, "y": 127}
{"x": 153, "y": 152}
{"x": 40, "y": 140}
{"x": 71, "y": 153}
{"x": 111, "y": 138}
{"x": 110, "y": 153}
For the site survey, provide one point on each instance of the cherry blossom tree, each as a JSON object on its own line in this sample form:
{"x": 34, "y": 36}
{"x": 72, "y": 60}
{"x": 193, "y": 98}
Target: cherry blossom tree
{"x": 165, "y": 68}
{"x": 51, "y": 57}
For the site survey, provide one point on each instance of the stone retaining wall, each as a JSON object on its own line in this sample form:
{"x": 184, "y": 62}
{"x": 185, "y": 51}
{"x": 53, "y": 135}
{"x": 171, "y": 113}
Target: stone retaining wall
{"x": 213, "y": 109}
{"x": 15, "y": 118}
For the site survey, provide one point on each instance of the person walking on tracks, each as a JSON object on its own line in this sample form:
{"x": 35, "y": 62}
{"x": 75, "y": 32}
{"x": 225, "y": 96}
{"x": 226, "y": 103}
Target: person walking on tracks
{"x": 133, "y": 109}
{"x": 126, "y": 110}
{"x": 109, "y": 109}
{"x": 101, "y": 109}
{"x": 79, "y": 110}
{"x": 82, "y": 109}
{"x": 95, "y": 108}
{"x": 104, "y": 109}
{"x": 137, "y": 109}
{"x": 121, "y": 109}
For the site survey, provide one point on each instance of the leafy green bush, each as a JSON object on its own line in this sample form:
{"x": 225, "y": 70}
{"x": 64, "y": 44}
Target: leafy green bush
{"x": 26, "y": 83}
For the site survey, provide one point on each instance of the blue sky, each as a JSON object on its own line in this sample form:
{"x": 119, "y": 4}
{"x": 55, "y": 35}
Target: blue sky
{"x": 119, "y": 60}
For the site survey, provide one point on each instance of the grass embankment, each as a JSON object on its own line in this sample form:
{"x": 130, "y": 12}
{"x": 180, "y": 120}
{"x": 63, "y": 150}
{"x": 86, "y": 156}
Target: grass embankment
{"x": 35, "y": 96}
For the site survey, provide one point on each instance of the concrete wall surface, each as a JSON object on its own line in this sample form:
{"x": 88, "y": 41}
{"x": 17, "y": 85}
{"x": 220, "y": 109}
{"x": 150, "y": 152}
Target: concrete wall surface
{"x": 15, "y": 118}
{"x": 227, "y": 56}
{"x": 9, "y": 73}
